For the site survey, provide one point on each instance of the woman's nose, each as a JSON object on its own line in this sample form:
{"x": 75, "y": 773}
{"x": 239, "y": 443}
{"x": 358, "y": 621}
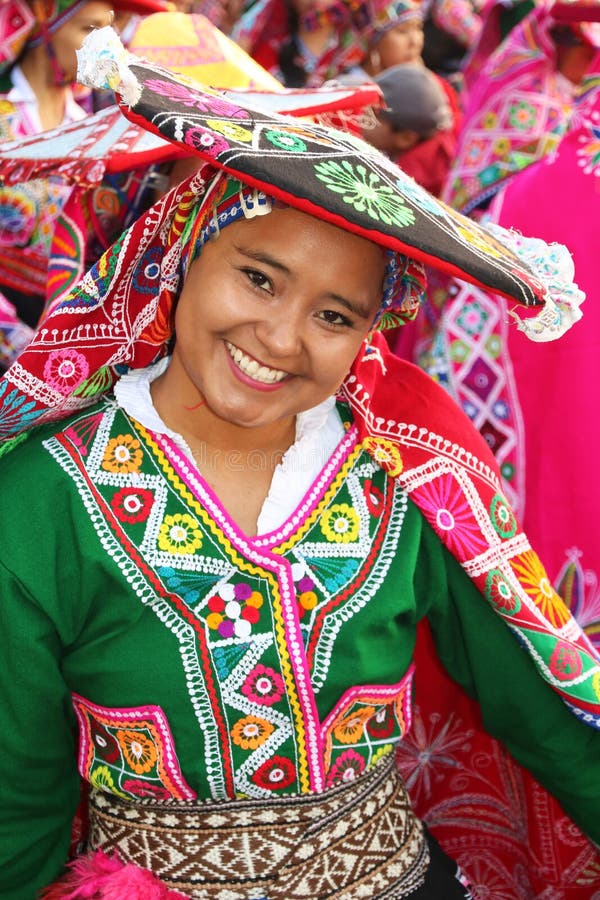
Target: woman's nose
{"x": 280, "y": 333}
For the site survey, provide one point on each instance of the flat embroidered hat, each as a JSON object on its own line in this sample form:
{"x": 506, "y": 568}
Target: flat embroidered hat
{"x": 336, "y": 177}
{"x": 119, "y": 315}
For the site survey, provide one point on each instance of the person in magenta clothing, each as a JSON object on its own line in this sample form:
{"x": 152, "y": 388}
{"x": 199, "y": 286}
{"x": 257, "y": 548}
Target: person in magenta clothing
{"x": 255, "y": 505}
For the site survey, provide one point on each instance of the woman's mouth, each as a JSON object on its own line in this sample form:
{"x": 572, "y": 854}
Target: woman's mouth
{"x": 253, "y": 369}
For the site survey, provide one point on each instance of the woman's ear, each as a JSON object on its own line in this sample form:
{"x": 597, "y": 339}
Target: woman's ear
{"x": 405, "y": 138}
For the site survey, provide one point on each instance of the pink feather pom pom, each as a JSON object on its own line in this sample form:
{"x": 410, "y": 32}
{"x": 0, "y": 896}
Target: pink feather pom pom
{"x": 101, "y": 877}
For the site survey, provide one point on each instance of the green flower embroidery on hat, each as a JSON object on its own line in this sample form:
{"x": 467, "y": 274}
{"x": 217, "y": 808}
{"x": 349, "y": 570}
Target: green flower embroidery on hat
{"x": 366, "y": 192}
{"x": 285, "y": 141}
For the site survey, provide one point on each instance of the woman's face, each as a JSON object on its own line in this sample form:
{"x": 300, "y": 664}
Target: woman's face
{"x": 401, "y": 44}
{"x": 70, "y": 36}
{"x": 271, "y": 317}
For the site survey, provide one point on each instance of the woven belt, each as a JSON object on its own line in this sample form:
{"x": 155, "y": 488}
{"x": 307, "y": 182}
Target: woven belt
{"x": 358, "y": 839}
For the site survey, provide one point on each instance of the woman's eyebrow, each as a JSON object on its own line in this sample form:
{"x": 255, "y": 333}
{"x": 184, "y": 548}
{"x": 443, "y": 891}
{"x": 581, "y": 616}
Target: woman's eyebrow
{"x": 262, "y": 257}
{"x": 354, "y": 306}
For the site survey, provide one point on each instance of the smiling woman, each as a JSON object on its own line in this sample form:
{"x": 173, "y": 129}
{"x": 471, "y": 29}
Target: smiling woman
{"x": 279, "y": 342}
{"x": 255, "y": 505}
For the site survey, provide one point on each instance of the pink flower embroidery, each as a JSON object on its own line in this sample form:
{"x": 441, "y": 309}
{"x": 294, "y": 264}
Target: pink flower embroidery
{"x": 205, "y": 103}
{"x": 347, "y": 767}
{"x": 205, "y": 140}
{"x": 64, "y": 370}
{"x": 446, "y": 508}
{"x": 263, "y": 685}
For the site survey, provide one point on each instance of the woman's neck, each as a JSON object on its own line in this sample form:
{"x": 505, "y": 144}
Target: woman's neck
{"x": 237, "y": 462}
{"x": 201, "y": 428}
{"x": 51, "y": 98}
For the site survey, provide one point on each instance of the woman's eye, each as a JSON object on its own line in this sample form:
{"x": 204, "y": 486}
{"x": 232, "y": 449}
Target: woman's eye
{"x": 258, "y": 279}
{"x": 334, "y": 318}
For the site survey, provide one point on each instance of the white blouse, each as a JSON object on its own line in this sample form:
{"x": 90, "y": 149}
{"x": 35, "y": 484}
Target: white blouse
{"x": 318, "y": 432}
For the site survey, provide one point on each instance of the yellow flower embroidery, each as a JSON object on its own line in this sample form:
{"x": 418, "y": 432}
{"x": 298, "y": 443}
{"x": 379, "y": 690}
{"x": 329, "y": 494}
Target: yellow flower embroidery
{"x": 350, "y": 729}
{"x": 340, "y": 523}
{"x": 101, "y": 778}
{"x": 480, "y": 242}
{"x": 250, "y": 732}
{"x": 180, "y": 534}
{"x": 385, "y": 453}
{"x": 122, "y": 454}
{"x": 502, "y": 146}
{"x": 382, "y": 751}
{"x": 230, "y": 130}
{"x": 140, "y": 752}
{"x": 533, "y": 578}
{"x": 596, "y": 684}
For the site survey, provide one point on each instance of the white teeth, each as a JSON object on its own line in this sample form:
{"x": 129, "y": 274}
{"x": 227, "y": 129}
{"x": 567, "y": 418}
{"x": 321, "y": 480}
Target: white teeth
{"x": 250, "y": 367}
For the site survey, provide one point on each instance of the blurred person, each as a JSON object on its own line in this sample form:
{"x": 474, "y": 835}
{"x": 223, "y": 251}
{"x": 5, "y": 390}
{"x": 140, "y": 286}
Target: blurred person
{"x": 518, "y": 104}
{"x": 416, "y": 127}
{"x": 38, "y": 66}
{"x": 302, "y": 42}
{"x": 451, "y": 28}
{"x": 395, "y": 36}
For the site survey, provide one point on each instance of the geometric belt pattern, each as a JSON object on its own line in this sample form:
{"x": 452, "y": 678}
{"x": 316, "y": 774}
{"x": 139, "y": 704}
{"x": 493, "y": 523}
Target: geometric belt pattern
{"x": 361, "y": 834}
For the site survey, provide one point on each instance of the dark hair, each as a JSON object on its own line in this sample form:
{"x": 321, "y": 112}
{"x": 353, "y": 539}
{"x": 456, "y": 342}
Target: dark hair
{"x": 294, "y": 76}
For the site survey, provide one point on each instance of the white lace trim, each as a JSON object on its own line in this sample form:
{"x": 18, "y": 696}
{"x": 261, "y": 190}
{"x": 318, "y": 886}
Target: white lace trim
{"x": 553, "y": 265}
{"x": 318, "y": 432}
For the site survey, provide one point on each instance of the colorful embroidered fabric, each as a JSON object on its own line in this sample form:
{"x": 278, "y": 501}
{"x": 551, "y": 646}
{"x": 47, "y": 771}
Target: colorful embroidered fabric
{"x": 517, "y": 111}
{"x": 490, "y": 815}
{"x": 28, "y": 211}
{"x": 16, "y": 22}
{"x": 256, "y": 632}
{"x": 523, "y": 402}
{"x": 14, "y": 334}
{"x": 473, "y": 351}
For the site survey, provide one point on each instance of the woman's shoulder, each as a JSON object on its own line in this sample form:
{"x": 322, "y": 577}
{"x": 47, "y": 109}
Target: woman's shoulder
{"x": 25, "y": 459}
{"x": 393, "y": 397}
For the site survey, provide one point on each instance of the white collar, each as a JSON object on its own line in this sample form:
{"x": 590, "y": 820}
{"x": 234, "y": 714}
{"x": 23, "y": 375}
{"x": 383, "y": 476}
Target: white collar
{"x": 318, "y": 432}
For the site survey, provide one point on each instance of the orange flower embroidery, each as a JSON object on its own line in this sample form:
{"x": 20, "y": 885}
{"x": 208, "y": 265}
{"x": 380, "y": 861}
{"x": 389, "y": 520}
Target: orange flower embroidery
{"x": 122, "y": 454}
{"x": 532, "y": 575}
{"x": 385, "y": 453}
{"x": 140, "y": 752}
{"x": 250, "y": 732}
{"x": 350, "y": 730}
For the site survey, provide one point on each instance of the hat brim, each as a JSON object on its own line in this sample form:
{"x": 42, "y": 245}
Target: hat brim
{"x": 82, "y": 152}
{"x": 142, "y": 7}
{"x": 329, "y": 174}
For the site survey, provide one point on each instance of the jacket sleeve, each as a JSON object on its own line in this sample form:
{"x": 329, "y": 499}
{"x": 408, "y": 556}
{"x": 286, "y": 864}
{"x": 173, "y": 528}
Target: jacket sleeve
{"x": 40, "y": 785}
{"x": 518, "y": 707}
